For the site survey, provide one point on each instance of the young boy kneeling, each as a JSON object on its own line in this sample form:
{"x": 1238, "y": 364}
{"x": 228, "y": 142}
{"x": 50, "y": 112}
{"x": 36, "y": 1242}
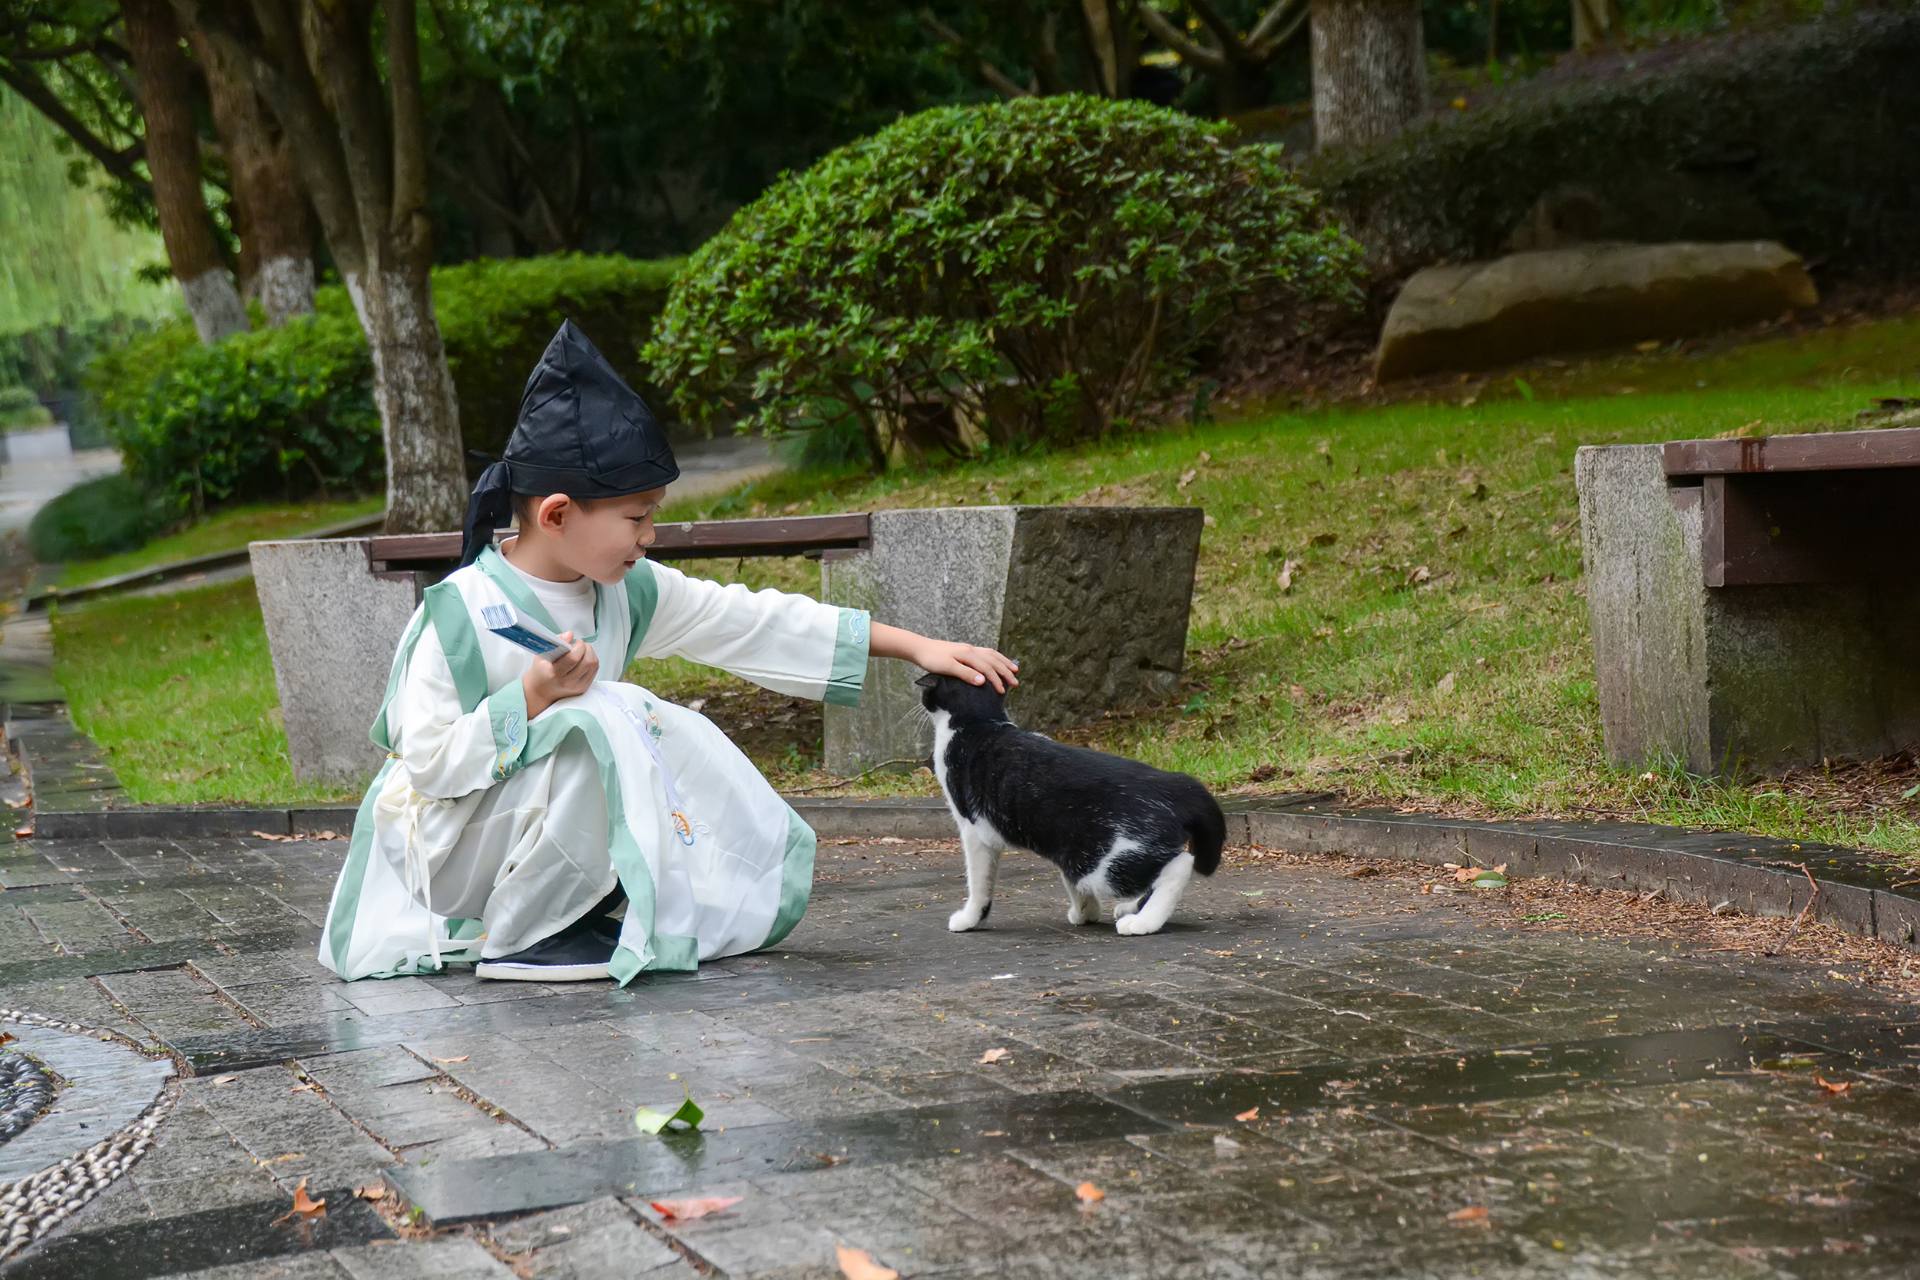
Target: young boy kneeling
{"x": 526, "y": 800}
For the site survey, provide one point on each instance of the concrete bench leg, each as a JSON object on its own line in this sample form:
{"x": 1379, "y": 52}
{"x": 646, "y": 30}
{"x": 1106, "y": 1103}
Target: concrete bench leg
{"x": 1734, "y": 680}
{"x": 1091, "y": 601}
{"x": 333, "y": 629}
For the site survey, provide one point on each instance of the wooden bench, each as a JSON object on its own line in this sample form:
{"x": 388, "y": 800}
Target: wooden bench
{"x": 1754, "y": 601}
{"x": 1794, "y": 510}
{"x": 434, "y": 555}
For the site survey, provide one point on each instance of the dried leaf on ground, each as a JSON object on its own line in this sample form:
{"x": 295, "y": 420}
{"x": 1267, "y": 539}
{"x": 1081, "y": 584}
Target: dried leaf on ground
{"x": 1287, "y": 570}
{"x": 993, "y": 1055}
{"x": 1251, "y": 1113}
{"x": 448, "y": 1062}
{"x": 1832, "y": 1086}
{"x": 858, "y": 1264}
{"x": 687, "y": 1210}
{"x": 268, "y": 835}
{"x": 224, "y": 1080}
{"x": 305, "y": 1207}
{"x": 1474, "y": 1215}
{"x": 1186, "y": 478}
{"x": 1089, "y": 1194}
{"x": 373, "y": 1191}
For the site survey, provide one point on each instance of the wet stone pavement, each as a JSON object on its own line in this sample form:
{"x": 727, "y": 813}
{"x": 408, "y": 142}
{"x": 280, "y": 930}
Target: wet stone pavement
{"x": 1306, "y": 1075}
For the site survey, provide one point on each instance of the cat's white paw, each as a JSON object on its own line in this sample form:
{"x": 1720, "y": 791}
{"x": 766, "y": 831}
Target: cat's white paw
{"x": 1075, "y": 915}
{"x": 1133, "y": 926}
{"x": 964, "y": 919}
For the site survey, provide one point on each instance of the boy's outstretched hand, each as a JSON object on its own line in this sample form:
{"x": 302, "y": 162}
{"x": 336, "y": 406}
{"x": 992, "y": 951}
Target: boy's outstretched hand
{"x": 973, "y": 663}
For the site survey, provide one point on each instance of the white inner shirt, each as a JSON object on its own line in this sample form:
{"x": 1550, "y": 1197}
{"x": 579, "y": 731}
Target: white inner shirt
{"x": 570, "y": 603}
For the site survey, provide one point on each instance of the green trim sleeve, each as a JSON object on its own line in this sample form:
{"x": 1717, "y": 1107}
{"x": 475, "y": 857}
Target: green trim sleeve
{"x": 507, "y": 713}
{"x": 849, "y": 672}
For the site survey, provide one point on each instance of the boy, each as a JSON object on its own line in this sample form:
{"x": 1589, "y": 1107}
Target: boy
{"x": 525, "y": 798}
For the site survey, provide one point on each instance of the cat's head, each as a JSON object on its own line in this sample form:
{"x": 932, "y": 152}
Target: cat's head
{"x": 961, "y": 700}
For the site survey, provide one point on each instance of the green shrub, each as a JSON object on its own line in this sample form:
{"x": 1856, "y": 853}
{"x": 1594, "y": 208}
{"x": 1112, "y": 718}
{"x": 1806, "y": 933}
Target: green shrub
{"x": 282, "y": 413}
{"x": 1039, "y": 267}
{"x": 1803, "y": 134}
{"x": 20, "y": 407}
{"x": 95, "y": 518}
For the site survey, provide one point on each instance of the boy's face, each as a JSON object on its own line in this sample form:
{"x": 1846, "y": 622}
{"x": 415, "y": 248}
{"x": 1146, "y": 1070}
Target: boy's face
{"x": 604, "y": 538}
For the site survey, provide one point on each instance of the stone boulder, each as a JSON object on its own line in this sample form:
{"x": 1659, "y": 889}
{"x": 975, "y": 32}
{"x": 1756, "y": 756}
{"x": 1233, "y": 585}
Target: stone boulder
{"x": 1484, "y": 315}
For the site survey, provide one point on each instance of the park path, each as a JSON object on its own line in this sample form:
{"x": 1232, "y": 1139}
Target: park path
{"x": 1323, "y": 1068}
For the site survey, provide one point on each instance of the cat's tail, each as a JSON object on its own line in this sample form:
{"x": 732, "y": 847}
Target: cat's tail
{"x": 1206, "y": 832}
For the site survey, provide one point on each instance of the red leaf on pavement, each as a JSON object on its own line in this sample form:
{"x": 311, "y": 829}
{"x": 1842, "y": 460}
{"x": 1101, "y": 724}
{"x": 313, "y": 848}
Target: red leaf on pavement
{"x": 1474, "y": 1215}
{"x": 1832, "y": 1086}
{"x": 1251, "y": 1113}
{"x": 686, "y": 1210}
{"x": 1089, "y": 1194}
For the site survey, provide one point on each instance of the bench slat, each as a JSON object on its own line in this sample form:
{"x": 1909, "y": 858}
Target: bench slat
{"x": 1822, "y": 451}
{"x": 1784, "y": 529}
{"x": 678, "y": 540}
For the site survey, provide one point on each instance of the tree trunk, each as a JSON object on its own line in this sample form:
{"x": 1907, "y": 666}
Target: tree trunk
{"x": 419, "y": 413}
{"x": 1369, "y": 69}
{"x": 276, "y": 231}
{"x": 173, "y": 160}
{"x": 1594, "y": 22}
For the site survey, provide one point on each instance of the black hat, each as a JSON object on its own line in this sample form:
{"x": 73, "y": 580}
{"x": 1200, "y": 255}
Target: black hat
{"x": 582, "y": 431}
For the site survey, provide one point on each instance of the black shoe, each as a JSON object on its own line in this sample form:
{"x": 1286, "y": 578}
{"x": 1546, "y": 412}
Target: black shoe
{"x": 568, "y": 956}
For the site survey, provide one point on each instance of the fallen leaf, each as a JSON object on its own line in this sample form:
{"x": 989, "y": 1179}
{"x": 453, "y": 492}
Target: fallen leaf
{"x": 268, "y": 835}
{"x": 1186, "y": 478}
{"x": 450, "y": 1061}
{"x": 1474, "y": 1215}
{"x": 308, "y": 1087}
{"x": 305, "y": 1207}
{"x": 1287, "y": 570}
{"x": 372, "y": 1191}
{"x": 858, "y": 1264}
{"x": 24, "y": 833}
{"x": 1445, "y": 686}
{"x": 1651, "y": 344}
{"x": 1831, "y": 1086}
{"x": 994, "y": 1133}
{"x": 222, "y": 1080}
{"x": 1251, "y": 1113}
{"x": 1419, "y": 575}
{"x": 1224, "y": 1146}
{"x": 993, "y": 1055}
{"x": 687, "y": 1210}
{"x": 647, "y": 1120}
{"x": 1089, "y": 1194}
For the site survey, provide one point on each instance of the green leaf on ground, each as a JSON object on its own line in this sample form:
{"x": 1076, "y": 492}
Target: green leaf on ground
{"x": 647, "y": 1120}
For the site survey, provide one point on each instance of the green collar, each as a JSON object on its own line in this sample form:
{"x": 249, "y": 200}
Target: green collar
{"x": 508, "y": 579}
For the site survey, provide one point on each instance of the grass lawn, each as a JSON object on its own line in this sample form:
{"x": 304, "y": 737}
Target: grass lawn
{"x": 179, "y": 691}
{"x": 229, "y": 530}
{"x": 1429, "y": 649}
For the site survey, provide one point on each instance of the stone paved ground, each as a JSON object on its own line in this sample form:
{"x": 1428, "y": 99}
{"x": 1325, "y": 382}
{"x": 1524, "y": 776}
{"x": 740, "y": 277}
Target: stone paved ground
{"x": 1309, "y": 1074}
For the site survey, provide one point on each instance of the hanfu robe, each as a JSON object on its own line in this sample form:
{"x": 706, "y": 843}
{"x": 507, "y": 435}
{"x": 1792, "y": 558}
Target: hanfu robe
{"x": 486, "y": 831}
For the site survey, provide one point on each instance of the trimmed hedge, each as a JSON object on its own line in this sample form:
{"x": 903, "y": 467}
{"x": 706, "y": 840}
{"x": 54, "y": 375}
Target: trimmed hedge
{"x": 95, "y": 518}
{"x": 1037, "y": 268}
{"x": 280, "y": 413}
{"x": 1805, "y": 134}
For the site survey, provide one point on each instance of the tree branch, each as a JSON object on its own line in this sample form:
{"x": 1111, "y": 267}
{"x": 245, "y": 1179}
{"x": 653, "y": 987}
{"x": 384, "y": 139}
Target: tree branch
{"x": 411, "y": 221}
{"x": 1174, "y": 38}
{"x": 1276, "y": 27}
{"x": 1216, "y": 22}
{"x": 118, "y": 162}
{"x": 988, "y": 72}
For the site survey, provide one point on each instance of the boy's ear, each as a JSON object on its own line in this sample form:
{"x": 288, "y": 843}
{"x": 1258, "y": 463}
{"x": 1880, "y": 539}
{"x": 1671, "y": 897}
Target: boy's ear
{"x": 927, "y": 681}
{"x": 551, "y": 511}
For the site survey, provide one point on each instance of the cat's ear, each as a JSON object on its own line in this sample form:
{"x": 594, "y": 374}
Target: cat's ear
{"x": 927, "y": 681}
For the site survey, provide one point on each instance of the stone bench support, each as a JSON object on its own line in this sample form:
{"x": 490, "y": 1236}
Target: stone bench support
{"x": 1731, "y": 681}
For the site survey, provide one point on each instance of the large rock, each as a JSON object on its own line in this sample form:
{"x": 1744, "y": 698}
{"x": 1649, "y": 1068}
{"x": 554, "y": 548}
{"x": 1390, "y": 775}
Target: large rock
{"x": 333, "y": 628}
{"x": 1091, "y": 601}
{"x": 1486, "y": 314}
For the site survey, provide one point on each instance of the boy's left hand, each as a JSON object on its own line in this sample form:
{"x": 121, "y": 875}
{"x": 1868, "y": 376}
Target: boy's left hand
{"x": 973, "y": 663}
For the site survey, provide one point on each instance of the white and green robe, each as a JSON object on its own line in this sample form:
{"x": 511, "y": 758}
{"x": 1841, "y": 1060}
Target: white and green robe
{"x": 485, "y": 832}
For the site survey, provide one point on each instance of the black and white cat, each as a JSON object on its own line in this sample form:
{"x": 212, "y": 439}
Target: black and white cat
{"x": 1123, "y": 834}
